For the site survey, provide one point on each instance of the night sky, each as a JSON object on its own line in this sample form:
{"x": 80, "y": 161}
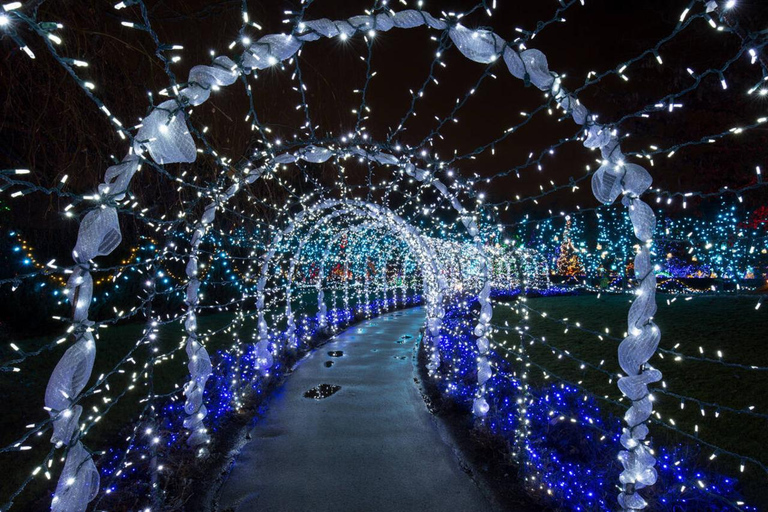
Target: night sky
{"x": 50, "y": 126}
{"x": 648, "y": 93}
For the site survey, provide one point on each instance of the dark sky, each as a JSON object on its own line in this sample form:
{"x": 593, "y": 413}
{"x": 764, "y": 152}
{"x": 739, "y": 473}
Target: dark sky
{"x": 596, "y": 37}
{"x": 49, "y": 125}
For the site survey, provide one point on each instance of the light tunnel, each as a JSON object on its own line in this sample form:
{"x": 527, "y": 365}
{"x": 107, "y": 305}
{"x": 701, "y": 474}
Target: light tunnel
{"x": 164, "y": 137}
{"x": 333, "y": 253}
{"x": 437, "y": 272}
{"x": 324, "y": 216}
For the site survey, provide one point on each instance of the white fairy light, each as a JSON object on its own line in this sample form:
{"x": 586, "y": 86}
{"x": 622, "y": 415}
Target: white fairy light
{"x": 477, "y": 48}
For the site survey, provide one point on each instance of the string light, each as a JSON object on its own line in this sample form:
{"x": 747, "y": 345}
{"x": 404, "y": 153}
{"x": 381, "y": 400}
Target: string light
{"x": 418, "y": 242}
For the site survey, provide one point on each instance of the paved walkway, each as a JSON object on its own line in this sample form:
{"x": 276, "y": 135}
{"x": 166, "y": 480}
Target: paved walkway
{"x": 370, "y": 446}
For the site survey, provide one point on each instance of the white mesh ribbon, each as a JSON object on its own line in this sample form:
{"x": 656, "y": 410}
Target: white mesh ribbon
{"x": 578, "y": 111}
{"x": 191, "y": 268}
{"x": 271, "y": 49}
{"x": 409, "y": 18}
{"x": 611, "y": 148}
{"x": 613, "y": 178}
{"x": 362, "y": 22}
{"x": 642, "y": 217}
{"x": 346, "y": 28}
{"x": 316, "y": 155}
{"x": 99, "y": 234}
{"x": 199, "y": 370}
{"x": 285, "y": 158}
{"x": 598, "y": 136}
{"x": 117, "y": 178}
{"x": 66, "y": 382}
{"x": 483, "y": 371}
{"x": 480, "y": 406}
{"x": 385, "y": 158}
{"x": 606, "y": 182}
{"x": 165, "y": 134}
{"x": 323, "y": 27}
{"x": 636, "y": 179}
{"x": 80, "y": 293}
{"x": 537, "y": 69}
{"x": 322, "y": 310}
{"x": 263, "y": 330}
{"x": 434, "y": 321}
{"x": 203, "y": 78}
{"x": 514, "y": 63}
{"x": 483, "y": 345}
{"x": 381, "y": 22}
{"x": 415, "y": 172}
{"x": 470, "y": 224}
{"x": 79, "y": 481}
{"x": 263, "y": 354}
{"x": 264, "y": 357}
{"x": 477, "y": 45}
{"x": 199, "y": 364}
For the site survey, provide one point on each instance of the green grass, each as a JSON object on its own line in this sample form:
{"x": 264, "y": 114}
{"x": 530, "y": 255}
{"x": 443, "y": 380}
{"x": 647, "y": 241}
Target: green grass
{"x": 728, "y": 324}
{"x": 24, "y": 392}
{"x": 708, "y": 324}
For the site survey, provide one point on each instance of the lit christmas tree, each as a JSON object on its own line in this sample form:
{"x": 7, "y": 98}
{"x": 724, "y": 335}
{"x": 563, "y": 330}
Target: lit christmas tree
{"x": 568, "y": 262}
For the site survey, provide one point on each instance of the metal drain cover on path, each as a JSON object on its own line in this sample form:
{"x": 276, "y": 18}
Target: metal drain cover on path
{"x": 321, "y": 391}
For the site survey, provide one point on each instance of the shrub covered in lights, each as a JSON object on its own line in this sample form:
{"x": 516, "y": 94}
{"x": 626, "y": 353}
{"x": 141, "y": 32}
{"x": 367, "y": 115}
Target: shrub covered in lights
{"x": 566, "y": 441}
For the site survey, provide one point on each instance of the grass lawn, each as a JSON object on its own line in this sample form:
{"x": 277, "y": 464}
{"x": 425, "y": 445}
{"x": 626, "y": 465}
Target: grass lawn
{"x": 700, "y": 326}
{"x": 23, "y": 392}
{"x": 707, "y": 324}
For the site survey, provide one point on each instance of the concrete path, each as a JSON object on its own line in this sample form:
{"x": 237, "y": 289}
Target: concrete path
{"x": 371, "y": 446}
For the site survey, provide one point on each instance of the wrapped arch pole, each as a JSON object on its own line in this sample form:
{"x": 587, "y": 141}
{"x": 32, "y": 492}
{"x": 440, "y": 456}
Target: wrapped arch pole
{"x": 164, "y": 135}
{"x": 614, "y": 177}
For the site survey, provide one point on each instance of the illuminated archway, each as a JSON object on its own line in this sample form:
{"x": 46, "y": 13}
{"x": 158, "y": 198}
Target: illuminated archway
{"x": 164, "y": 135}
